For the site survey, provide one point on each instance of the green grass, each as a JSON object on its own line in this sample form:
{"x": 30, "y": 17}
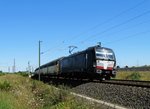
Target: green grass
{"x": 72, "y": 104}
{"x": 5, "y": 85}
{"x": 133, "y": 75}
{"x": 1, "y": 74}
{"x": 19, "y": 92}
{"x": 5, "y": 101}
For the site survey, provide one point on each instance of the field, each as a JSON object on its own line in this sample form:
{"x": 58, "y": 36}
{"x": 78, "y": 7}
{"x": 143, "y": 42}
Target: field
{"x": 18, "y": 92}
{"x": 133, "y": 75}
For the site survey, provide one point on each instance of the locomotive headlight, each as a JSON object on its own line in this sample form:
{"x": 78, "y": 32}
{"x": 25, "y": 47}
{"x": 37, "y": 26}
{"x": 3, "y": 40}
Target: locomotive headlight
{"x": 99, "y": 71}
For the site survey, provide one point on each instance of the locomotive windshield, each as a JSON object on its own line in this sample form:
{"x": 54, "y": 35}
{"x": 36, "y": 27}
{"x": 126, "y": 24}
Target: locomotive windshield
{"x": 106, "y": 54}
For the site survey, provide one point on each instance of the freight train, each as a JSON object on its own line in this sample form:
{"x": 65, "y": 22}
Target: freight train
{"x": 93, "y": 63}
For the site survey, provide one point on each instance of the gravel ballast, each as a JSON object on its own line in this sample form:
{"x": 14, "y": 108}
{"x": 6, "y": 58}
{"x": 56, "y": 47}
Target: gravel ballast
{"x": 127, "y": 96}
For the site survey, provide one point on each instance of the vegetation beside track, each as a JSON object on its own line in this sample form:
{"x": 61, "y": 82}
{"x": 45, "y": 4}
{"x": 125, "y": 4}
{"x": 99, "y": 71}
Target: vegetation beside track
{"x": 133, "y": 75}
{"x": 18, "y": 92}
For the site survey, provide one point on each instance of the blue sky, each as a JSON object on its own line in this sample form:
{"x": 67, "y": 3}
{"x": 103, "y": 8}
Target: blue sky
{"x": 123, "y": 25}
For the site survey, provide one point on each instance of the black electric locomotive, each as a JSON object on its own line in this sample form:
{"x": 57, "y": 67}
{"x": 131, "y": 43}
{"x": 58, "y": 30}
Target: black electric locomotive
{"x": 94, "y": 63}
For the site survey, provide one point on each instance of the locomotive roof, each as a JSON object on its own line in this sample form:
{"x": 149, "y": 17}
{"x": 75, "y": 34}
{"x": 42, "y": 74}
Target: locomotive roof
{"x": 50, "y": 62}
{"x": 97, "y": 46}
{"x": 90, "y": 48}
{"x": 54, "y": 60}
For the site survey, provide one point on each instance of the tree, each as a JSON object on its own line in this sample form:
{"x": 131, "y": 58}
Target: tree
{"x": 118, "y": 67}
{"x": 126, "y": 67}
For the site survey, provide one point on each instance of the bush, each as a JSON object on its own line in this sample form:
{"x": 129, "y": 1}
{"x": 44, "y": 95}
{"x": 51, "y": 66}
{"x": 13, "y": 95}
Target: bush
{"x": 2, "y": 74}
{"x": 134, "y": 76}
{"x": 5, "y": 86}
{"x": 23, "y": 73}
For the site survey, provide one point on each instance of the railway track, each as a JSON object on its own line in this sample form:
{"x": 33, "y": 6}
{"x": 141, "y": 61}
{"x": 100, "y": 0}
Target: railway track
{"x": 126, "y": 93}
{"x": 129, "y": 94}
{"x": 75, "y": 82}
{"x": 134, "y": 83}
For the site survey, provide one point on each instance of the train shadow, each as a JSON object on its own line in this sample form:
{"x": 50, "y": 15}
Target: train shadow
{"x": 69, "y": 82}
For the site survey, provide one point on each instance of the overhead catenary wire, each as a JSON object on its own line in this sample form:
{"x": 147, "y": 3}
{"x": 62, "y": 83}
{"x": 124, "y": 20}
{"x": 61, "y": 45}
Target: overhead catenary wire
{"x": 98, "y": 25}
{"x": 127, "y": 37}
{"x": 53, "y": 49}
{"x": 110, "y": 19}
{"x": 115, "y": 26}
{"x": 124, "y": 29}
{"x": 127, "y": 28}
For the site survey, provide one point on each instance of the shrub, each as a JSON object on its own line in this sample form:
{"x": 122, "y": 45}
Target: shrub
{"x": 23, "y": 73}
{"x": 134, "y": 76}
{"x": 2, "y": 74}
{"x": 5, "y": 86}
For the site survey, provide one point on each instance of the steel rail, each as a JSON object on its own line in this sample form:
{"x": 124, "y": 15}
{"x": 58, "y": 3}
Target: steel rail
{"x": 144, "y": 84}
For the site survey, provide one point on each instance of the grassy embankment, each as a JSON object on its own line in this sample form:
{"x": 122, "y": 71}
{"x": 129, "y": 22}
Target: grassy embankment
{"x": 133, "y": 75}
{"x": 18, "y": 92}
